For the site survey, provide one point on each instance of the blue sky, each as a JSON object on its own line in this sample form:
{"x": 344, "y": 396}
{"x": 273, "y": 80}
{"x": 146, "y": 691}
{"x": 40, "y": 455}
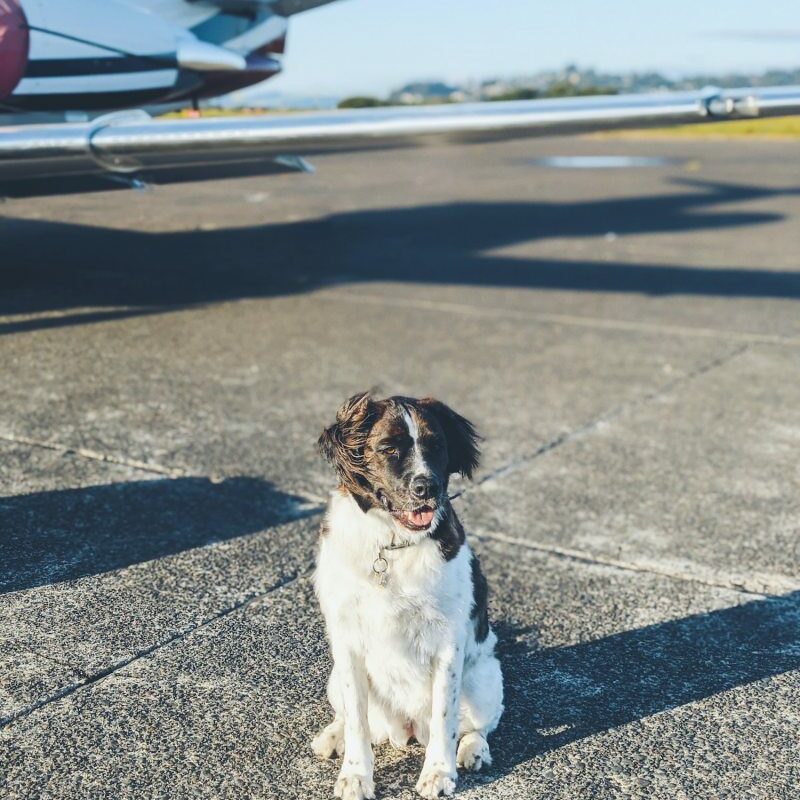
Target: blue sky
{"x": 371, "y": 46}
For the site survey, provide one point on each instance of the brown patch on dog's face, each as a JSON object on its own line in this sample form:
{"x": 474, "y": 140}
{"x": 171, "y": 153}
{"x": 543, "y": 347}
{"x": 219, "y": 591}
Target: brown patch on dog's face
{"x": 399, "y": 453}
{"x": 342, "y": 445}
{"x": 406, "y": 452}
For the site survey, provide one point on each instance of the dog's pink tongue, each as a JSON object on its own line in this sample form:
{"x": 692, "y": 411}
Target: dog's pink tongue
{"x": 421, "y": 518}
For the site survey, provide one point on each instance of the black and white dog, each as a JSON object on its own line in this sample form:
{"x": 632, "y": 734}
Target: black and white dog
{"x": 403, "y": 597}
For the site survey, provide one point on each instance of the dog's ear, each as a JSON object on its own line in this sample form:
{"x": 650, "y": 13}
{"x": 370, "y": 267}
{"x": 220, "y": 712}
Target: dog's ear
{"x": 462, "y": 438}
{"x": 342, "y": 444}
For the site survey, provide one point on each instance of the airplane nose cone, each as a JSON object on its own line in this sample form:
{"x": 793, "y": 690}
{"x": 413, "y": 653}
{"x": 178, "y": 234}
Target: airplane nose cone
{"x": 13, "y": 45}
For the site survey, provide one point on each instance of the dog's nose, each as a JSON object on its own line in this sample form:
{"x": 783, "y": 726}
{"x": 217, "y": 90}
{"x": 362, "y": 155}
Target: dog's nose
{"x": 424, "y": 486}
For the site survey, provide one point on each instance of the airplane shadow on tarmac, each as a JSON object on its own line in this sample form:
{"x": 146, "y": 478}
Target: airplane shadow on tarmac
{"x": 48, "y": 537}
{"x": 560, "y": 695}
{"x": 57, "y": 267}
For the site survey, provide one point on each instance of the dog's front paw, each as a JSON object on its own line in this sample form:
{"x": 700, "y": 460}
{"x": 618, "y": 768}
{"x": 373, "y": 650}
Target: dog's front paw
{"x": 354, "y": 787}
{"x": 435, "y": 782}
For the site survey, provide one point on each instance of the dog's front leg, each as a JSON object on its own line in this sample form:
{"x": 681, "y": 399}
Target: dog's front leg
{"x": 355, "y": 777}
{"x": 439, "y": 770}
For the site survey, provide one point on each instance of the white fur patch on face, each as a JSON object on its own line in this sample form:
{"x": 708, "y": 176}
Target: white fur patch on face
{"x": 419, "y": 465}
{"x": 411, "y": 424}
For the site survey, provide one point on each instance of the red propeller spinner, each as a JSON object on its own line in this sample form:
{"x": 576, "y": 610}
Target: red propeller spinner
{"x": 13, "y": 45}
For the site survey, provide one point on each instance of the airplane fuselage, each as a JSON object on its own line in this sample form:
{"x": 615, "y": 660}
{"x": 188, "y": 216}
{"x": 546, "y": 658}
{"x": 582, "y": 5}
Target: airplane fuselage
{"x": 108, "y": 54}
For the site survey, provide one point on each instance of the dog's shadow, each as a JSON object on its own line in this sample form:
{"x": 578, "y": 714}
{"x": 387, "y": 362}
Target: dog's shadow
{"x": 555, "y": 696}
{"x": 559, "y": 695}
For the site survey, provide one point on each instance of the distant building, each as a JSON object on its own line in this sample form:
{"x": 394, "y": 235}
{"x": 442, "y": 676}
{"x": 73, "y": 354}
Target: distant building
{"x": 426, "y": 92}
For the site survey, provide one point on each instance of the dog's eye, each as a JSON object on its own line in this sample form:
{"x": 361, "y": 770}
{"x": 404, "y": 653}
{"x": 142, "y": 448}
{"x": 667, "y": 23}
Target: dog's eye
{"x": 389, "y": 451}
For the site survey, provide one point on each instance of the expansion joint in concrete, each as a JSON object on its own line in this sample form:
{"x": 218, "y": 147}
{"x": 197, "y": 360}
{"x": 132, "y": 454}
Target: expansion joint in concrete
{"x": 607, "y": 416}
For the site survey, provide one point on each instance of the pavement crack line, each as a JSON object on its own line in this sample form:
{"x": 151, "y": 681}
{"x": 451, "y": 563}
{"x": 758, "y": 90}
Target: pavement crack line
{"x": 95, "y": 677}
{"x": 606, "y": 416}
{"x": 575, "y": 320}
{"x": 33, "y": 651}
{"x": 718, "y": 581}
{"x": 144, "y": 466}
{"x": 94, "y": 455}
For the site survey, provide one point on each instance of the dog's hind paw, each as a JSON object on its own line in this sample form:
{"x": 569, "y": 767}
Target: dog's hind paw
{"x": 473, "y": 752}
{"x": 329, "y": 741}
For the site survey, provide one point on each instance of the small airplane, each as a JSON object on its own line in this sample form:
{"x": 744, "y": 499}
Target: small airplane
{"x": 115, "y": 56}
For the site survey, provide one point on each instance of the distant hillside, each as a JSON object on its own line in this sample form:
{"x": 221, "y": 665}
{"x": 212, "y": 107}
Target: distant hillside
{"x": 569, "y": 81}
{"x": 574, "y": 80}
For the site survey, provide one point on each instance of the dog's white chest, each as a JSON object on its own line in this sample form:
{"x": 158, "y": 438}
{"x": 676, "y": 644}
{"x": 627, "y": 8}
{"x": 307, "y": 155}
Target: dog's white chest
{"x": 401, "y": 632}
{"x": 401, "y": 619}
{"x": 399, "y": 625}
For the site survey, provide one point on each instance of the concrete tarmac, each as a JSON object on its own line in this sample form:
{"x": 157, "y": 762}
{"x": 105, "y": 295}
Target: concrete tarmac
{"x": 626, "y": 340}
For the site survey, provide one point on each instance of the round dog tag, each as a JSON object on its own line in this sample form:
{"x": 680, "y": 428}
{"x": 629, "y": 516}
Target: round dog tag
{"x": 379, "y": 566}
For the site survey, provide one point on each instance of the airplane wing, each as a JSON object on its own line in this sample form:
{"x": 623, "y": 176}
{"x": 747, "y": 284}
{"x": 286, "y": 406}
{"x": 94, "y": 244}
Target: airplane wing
{"x": 130, "y": 147}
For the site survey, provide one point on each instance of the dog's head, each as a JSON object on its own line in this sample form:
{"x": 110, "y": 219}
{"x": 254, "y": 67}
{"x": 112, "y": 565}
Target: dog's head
{"x": 398, "y": 454}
